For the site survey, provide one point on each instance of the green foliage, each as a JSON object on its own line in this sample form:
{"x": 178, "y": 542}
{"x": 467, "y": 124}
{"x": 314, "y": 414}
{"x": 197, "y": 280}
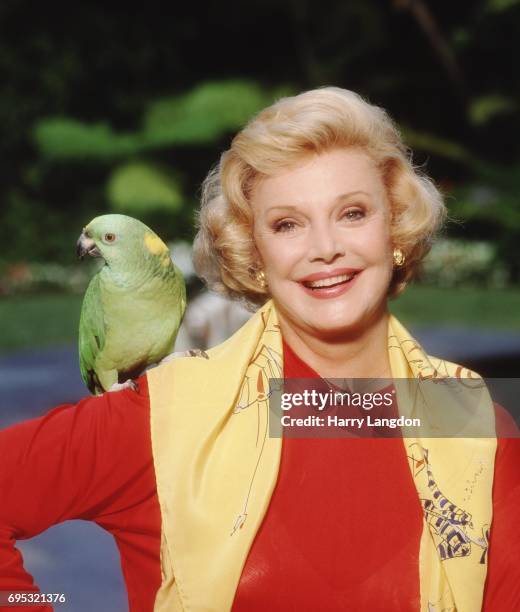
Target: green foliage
{"x": 443, "y": 147}
{"x": 138, "y": 186}
{"x": 485, "y": 108}
{"x": 457, "y": 263}
{"x": 501, "y": 5}
{"x": 65, "y": 139}
{"x": 486, "y": 205}
{"x": 30, "y": 278}
{"x": 75, "y": 116}
{"x": 30, "y": 230}
{"x": 197, "y": 118}
{"x": 200, "y": 116}
{"x": 490, "y": 209}
{"x": 205, "y": 113}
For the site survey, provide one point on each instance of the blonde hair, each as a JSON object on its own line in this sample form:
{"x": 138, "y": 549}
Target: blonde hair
{"x": 279, "y": 137}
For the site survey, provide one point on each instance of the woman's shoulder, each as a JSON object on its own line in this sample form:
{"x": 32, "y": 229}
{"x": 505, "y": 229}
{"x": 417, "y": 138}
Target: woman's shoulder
{"x": 444, "y": 368}
{"x": 506, "y": 426}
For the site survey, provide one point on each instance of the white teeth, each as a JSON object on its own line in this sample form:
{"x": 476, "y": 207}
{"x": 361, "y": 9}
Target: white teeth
{"x": 328, "y": 282}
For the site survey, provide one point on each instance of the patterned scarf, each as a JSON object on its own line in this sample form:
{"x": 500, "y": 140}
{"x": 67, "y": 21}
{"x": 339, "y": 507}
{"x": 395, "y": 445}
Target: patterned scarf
{"x": 216, "y": 468}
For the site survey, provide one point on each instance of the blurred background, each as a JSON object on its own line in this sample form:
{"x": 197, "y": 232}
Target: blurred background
{"x": 103, "y": 109}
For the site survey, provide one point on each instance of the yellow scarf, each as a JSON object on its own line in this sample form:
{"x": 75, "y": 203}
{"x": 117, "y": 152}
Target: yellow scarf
{"x": 216, "y": 468}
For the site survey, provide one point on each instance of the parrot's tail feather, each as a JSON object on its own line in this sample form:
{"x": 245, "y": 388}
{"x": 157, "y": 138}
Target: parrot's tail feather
{"x": 93, "y": 383}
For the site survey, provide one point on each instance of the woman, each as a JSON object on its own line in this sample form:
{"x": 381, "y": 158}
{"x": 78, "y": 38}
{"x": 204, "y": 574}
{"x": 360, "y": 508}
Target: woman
{"x": 316, "y": 206}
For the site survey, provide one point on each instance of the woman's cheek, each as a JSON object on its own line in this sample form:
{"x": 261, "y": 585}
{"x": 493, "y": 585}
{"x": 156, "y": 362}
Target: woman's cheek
{"x": 283, "y": 256}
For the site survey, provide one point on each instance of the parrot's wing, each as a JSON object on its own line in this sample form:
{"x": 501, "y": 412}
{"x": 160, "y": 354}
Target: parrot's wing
{"x": 91, "y": 335}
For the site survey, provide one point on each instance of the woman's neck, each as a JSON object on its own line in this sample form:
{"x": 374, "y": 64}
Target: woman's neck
{"x": 360, "y": 355}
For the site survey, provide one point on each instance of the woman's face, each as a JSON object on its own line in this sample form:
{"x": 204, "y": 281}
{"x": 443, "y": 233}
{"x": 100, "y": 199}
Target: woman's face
{"x": 322, "y": 232}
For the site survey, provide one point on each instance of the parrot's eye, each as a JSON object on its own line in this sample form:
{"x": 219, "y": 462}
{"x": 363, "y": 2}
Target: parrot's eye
{"x": 110, "y": 237}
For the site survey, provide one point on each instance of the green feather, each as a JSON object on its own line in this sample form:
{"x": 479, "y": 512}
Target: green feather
{"x": 91, "y": 335}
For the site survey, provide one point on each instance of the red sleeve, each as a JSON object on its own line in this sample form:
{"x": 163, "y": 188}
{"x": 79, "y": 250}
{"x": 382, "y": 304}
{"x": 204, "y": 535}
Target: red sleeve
{"x": 503, "y": 578}
{"x": 506, "y": 426}
{"x": 76, "y": 462}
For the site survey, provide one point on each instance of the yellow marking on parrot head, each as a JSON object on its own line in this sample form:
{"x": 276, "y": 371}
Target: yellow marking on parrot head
{"x": 154, "y": 244}
{"x": 165, "y": 260}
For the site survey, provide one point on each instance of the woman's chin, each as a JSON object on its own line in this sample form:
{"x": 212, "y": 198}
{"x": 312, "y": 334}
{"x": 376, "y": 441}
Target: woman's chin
{"x": 330, "y": 319}
{"x": 331, "y": 331}
{"x": 330, "y": 327}
{"x": 334, "y": 323}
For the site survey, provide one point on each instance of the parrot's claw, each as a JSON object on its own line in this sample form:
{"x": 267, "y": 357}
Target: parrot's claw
{"x": 190, "y": 353}
{"x": 128, "y": 384}
{"x": 197, "y": 353}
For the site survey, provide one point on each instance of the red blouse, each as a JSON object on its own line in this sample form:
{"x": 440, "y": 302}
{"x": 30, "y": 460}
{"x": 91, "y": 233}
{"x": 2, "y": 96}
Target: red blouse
{"x": 342, "y": 530}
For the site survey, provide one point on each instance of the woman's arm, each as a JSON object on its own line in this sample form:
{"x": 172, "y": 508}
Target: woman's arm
{"x": 85, "y": 461}
{"x": 503, "y": 577}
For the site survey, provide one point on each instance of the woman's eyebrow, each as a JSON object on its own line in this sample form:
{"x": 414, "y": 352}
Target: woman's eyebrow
{"x": 340, "y": 198}
{"x": 344, "y": 196}
{"x": 282, "y": 207}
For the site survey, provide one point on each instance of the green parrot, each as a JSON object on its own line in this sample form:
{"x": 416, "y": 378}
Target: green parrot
{"x": 133, "y": 306}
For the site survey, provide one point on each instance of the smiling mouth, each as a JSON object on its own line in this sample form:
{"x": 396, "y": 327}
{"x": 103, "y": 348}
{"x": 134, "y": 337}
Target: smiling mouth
{"x": 332, "y": 281}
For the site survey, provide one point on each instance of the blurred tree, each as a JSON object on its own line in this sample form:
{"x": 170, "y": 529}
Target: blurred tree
{"x": 137, "y": 183}
{"x": 110, "y": 95}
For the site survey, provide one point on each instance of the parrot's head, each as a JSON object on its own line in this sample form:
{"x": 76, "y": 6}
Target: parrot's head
{"x": 121, "y": 241}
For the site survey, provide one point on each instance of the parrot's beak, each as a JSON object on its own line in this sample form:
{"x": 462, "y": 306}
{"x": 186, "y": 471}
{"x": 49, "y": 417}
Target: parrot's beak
{"x": 86, "y": 246}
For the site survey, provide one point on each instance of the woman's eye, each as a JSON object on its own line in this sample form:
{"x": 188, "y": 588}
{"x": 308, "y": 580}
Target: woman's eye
{"x": 354, "y": 214}
{"x": 284, "y": 226}
{"x": 110, "y": 237}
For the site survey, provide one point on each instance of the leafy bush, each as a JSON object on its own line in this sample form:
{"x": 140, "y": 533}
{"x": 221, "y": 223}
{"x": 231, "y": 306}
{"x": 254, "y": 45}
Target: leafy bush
{"x": 455, "y": 263}
{"x": 27, "y": 277}
{"x": 18, "y": 278}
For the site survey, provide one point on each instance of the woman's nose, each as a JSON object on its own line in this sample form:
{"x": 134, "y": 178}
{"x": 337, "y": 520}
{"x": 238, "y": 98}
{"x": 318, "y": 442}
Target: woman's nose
{"x": 324, "y": 245}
